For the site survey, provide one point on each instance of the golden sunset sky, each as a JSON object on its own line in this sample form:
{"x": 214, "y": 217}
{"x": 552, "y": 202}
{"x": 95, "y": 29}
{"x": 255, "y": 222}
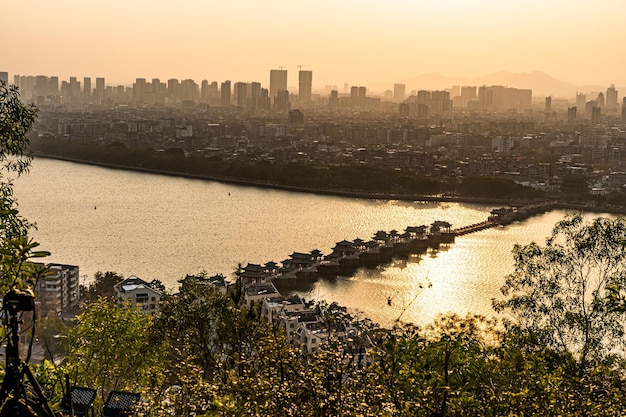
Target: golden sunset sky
{"x": 341, "y": 41}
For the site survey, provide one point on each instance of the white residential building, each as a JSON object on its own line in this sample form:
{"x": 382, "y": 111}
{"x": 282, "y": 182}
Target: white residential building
{"x": 140, "y": 292}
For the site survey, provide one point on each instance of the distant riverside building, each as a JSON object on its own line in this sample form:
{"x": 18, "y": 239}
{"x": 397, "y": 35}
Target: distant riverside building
{"x": 399, "y": 92}
{"x": 305, "y": 85}
{"x": 278, "y": 81}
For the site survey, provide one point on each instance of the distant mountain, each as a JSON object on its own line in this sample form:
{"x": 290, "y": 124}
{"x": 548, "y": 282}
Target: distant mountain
{"x": 541, "y": 83}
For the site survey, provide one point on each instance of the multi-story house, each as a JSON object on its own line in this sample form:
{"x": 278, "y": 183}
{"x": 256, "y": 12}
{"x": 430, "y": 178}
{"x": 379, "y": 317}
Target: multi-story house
{"x": 140, "y": 292}
{"x": 58, "y": 292}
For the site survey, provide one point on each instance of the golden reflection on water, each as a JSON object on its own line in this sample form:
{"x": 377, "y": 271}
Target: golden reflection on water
{"x": 460, "y": 278}
{"x": 164, "y": 227}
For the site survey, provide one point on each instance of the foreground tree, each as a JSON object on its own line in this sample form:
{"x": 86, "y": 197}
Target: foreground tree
{"x": 16, "y": 248}
{"x": 101, "y": 286}
{"x": 110, "y": 348}
{"x": 557, "y": 296}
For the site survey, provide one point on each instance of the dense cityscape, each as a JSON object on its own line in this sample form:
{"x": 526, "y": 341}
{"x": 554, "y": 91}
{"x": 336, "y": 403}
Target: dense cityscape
{"x": 439, "y": 142}
{"x": 465, "y": 131}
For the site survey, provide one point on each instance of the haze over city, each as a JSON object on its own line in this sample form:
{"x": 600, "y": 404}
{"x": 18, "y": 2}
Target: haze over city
{"x": 356, "y": 42}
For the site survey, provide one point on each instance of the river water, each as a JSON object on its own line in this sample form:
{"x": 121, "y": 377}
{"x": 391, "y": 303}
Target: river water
{"x": 155, "y": 226}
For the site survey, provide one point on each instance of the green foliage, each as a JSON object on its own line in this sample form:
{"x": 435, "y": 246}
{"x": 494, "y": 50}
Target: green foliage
{"x": 16, "y": 249}
{"x": 294, "y": 174}
{"x": 16, "y": 120}
{"x": 51, "y": 332}
{"x": 558, "y": 292}
{"x": 110, "y": 347}
{"x": 101, "y": 286}
{"x": 493, "y": 187}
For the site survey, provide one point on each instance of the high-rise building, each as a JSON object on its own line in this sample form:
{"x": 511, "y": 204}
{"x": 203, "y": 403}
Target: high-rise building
{"x": 399, "y": 92}
{"x": 58, "y": 292}
{"x": 263, "y": 102}
{"x": 204, "y": 90}
{"x": 53, "y": 85}
{"x": 548, "y": 105}
{"x": 214, "y": 97}
{"x": 4, "y": 76}
{"x": 41, "y": 86}
{"x": 99, "y": 91}
{"x": 497, "y": 97}
{"x": 225, "y": 94}
{"x": 596, "y": 113}
{"x": 173, "y": 87}
{"x": 611, "y": 98}
{"x": 581, "y": 101}
{"x": 333, "y": 100}
{"x": 362, "y": 98}
{"x": 305, "y": 79}
{"x": 468, "y": 92}
{"x": 278, "y": 81}
{"x": 624, "y": 111}
{"x": 281, "y": 102}
{"x": 600, "y": 100}
{"x": 87, "y": 88}
{"x": 571, "y": 114}
{"x": 240, "y": 91}
{"x": 189, "y": 90}
{"x": 139, "y": 90}
{"x": 74, "y": 87}
{"x": 255, "y": 89}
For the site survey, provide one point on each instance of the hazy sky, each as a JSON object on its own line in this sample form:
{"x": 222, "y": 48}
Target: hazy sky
{"x": 353, "y": 41}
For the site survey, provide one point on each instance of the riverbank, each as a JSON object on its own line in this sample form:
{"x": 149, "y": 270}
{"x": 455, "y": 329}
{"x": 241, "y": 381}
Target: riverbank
{"x": 558, "y": 204}
{"x": 283, "y": 187}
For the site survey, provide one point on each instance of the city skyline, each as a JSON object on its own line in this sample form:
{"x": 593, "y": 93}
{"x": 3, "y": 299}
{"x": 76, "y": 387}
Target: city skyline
{"x": 355, "y": 42}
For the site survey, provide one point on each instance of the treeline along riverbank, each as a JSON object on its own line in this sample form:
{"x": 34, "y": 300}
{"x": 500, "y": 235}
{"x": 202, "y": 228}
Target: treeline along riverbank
{"x": 520, "y": 200}
{"x": 357, "y": 181}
